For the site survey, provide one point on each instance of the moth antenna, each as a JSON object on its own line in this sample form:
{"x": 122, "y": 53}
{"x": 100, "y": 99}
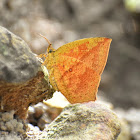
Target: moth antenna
{"x": 46, "y": 39}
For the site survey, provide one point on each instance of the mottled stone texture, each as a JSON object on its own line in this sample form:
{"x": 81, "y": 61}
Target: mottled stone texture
{"x": 88, "y": 121}
{"x": 21, "y": 82}
{"x": 11, "y": 128}
{"x": 17, "y": 63}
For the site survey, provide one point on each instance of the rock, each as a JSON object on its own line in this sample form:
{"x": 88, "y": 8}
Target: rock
{"x": 11, "y": 128}
{"x": 41, "y": 115}
{"x": 22, "y": 82}
{"x": 84, "y": 121}
{"x": 17, "y": 63}
{"x": 125, "y": 131}
{"x": 44, "y": 113}
{"x": 11, "y": 137}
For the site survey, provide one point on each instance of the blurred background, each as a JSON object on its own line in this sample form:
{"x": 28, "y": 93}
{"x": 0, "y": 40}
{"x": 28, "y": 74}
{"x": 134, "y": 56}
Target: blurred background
{"x": 63, "y": 21}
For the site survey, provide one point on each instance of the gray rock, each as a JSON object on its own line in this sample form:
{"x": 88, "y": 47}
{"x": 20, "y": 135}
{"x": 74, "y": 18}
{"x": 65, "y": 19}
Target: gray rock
{"x": 22, "y": 82}
{"x": 17, "y": 62}
{"x": 88, "y": 121}
{"x": 11, "y": 128}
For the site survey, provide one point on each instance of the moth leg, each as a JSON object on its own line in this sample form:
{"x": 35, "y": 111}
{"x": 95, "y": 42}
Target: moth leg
{"x": 41, "y": 57}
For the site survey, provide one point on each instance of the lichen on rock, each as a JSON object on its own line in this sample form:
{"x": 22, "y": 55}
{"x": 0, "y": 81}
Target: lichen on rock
{"x": 89, "y": 121}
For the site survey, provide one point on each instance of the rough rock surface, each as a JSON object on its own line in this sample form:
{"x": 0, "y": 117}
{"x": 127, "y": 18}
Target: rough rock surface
{"x": 17, "y": 63}
{"x": 21, "y": 82}
{"x": 11, "y": 128}
{"x": 89, "y": 121}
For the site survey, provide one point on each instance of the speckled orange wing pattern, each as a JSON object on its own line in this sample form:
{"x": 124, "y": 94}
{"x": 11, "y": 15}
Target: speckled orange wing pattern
{"x": 75, "y": 68}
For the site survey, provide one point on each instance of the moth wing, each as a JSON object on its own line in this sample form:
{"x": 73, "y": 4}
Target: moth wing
{"x": 77, "y": 82}
{"x": 77, "y": 68}
{"x": 92, "y": 51}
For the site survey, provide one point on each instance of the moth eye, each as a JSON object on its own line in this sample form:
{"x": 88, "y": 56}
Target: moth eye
{"x": 50, "y": 51}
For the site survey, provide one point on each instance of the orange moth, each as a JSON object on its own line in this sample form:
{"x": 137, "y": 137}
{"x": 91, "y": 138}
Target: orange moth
{"x": 75, "y": 68}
